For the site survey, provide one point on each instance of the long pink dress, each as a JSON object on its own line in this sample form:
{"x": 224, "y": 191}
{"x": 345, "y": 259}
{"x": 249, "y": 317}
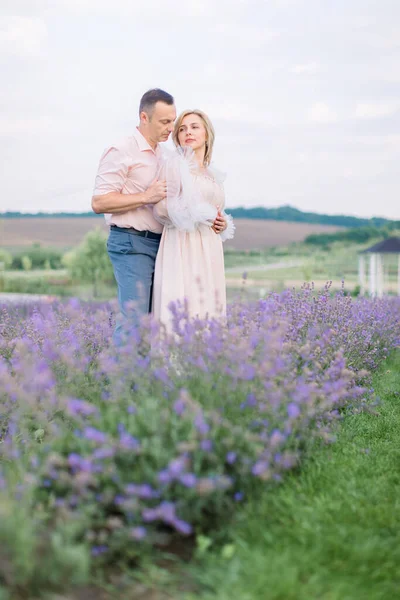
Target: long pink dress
{"x": 190, "y": 260}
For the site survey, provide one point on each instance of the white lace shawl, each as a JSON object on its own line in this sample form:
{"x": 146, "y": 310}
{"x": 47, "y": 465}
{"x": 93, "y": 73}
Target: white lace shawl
{"x": 185, "y": 207}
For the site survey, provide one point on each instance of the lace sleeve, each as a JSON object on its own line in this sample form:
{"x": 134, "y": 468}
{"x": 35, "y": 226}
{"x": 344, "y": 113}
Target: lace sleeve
{"x": 184, "y": 207}
{"x": 229, "y": 232}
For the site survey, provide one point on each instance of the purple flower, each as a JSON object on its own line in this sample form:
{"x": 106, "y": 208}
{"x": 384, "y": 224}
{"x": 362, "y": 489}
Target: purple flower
{"x": 276, "y": 438}
{"x": 231, "y": 458}
{"x": 80, "y": 407}
{"x": 128, "y": 442}
{"x": 167, "y": 512}
{"x": 188, "y": 480}
{"x": 102, "y": 453}
{"x": 94, "y": 435}
{"x": 138, "y": 533}
{"x": 182, "y": 527}
{"x": 260, "y": 468}
{"x": 293, "y": 410}
{"x": 248, "y": 372}
{"x": 144, "y": 490}
{"x": 150, "y": 514}
{"x": 202, "y": 427}
{"x": 179, "y": 407}
{"x": 74, "y": 460}
{"x": 165, "y": 476}
{"x": 206, "y": 445}
{"x": 292, "y": 361}
{"x": 251, "y": 400}
{"x": 98, "y": 550}
{"x": 176, "y": 466}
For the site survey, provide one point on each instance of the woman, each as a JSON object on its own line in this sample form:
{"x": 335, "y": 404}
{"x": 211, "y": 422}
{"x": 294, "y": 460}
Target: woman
{"x": 190, "y": 260}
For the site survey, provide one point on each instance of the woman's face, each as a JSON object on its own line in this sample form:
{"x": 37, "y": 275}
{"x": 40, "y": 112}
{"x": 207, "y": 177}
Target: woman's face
{"x": 192, "y": 132}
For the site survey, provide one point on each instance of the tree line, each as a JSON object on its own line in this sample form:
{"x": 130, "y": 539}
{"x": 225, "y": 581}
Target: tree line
{"x": 280, "y": 213}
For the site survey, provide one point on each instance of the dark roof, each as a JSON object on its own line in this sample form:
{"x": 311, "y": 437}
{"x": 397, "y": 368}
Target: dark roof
{"x": 391, "y": 244}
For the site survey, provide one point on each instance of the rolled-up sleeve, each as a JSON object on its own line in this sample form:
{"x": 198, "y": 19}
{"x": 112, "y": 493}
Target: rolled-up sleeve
{"x": 112, "y": 172}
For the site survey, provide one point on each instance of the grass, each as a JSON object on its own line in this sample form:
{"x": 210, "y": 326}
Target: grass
{"x": 330, "y": 532}
{"x": 45, "y": 274}
{"x": 54, "y": 282}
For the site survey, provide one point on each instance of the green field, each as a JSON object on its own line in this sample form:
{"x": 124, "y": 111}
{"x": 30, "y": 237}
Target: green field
{"x": 252, "y": 273}
{"x": 297, "y": 263}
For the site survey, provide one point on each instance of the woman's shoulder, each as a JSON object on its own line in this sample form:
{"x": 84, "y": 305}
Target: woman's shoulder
{"x": 178, "y": 160}
{"x": 217, "y": 175}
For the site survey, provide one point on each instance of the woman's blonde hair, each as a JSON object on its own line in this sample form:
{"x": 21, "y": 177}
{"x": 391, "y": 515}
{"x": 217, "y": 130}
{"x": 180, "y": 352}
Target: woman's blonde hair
{"x": 210, "y": 132}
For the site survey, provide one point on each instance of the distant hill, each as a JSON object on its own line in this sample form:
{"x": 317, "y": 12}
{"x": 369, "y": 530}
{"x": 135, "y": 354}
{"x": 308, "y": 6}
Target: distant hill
{"x": 294, "y": 215}
{"x": 281, "y": 213}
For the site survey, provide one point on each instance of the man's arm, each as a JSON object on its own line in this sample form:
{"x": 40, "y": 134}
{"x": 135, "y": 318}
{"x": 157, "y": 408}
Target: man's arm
{"x": 110, "y": 180}
{"x": 115, "y": 202}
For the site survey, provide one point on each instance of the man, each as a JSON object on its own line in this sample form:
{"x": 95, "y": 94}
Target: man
{"x": 126, "y": 189}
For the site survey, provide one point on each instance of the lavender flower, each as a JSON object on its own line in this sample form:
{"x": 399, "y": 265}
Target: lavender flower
{"x": 128, "y": 441}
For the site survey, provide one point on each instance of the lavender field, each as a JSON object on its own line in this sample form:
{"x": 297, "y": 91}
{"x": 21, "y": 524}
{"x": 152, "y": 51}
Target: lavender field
{"x": 106, "y": 455}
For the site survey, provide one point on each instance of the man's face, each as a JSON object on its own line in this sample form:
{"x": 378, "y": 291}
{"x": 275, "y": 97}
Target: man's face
{"x": 161, "y": 122}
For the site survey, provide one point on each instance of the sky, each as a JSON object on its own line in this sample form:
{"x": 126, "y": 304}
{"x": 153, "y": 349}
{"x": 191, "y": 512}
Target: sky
{"x": 304, "y": 96}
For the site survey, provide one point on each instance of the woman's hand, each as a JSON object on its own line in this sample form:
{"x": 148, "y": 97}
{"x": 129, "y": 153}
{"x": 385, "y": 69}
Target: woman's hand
{"x": 220, "y": 223}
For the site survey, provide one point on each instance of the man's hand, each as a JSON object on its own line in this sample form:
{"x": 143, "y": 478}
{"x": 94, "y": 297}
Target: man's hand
{"x": 156, "y": 192}
{"x": 220, "y": 223}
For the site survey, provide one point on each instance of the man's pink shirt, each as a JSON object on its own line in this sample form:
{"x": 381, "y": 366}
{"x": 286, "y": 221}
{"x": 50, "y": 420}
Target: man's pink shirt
{"x": 129, "y": 167}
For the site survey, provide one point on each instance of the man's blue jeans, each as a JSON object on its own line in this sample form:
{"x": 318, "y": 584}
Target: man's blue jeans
{"x": 133, "y": 259}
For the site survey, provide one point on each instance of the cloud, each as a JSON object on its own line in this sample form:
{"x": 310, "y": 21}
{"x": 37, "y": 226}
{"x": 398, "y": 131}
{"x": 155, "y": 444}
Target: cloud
{"x": 155, "y": 9}
{"x": 32, "y": 126}
{"x": 251, "y": 35}
{"x": 375, "y": 111}
{"x": 321, "y": 113}
{"x": 307, "y": 68}
{"x": 251, "y": 65}
{"x": 24, "y": 8}
{"x": 23, "y": 36}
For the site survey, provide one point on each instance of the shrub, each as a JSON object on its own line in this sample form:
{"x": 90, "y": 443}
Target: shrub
{"x": 5, "y": 260}
{"x": 22, "y": 284}
{"x": 41, "y": 258}
{"x": 129, "y": 449}
{"x": 26, "y": 263}
{"x": 89, "y": 262}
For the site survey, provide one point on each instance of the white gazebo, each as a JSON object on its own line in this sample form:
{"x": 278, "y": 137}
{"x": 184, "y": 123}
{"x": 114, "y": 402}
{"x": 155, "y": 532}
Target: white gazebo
{"x": 371, "y": 279}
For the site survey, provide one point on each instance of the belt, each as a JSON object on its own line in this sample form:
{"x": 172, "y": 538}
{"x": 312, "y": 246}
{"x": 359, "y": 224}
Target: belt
{"x": 133, "y": 231}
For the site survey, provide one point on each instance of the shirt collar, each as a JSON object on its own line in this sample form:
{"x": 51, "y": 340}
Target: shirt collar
{"x": 143, "y": 143}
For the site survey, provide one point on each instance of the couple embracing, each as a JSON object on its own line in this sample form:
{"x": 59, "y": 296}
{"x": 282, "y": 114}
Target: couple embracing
{"x": 166, "y": 215}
